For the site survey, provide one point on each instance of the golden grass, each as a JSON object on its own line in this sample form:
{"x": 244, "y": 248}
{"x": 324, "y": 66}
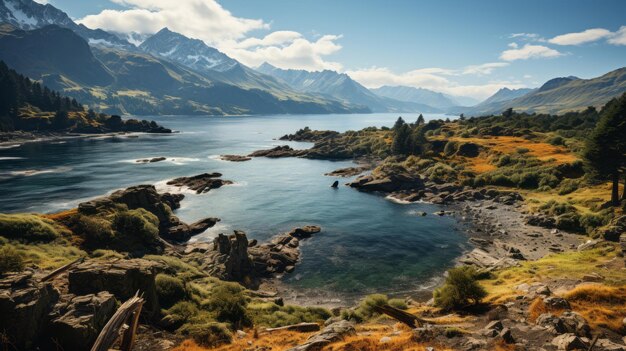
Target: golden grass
{"x": 568, "y": 265}
{"x": 276, "y": 341}
{"x": 60, "y": 216}
{"x": 583, "y": 199}
{"x": 601, "y": 305}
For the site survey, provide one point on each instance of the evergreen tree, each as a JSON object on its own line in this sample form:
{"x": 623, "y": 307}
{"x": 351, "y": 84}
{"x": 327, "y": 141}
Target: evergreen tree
{"x": 61, "y": 120}
{"x": 399, "y": 122}
{"x": 420, "y": 120}
{"x": 605, "y": 150}
{"x": 401, "y": 140}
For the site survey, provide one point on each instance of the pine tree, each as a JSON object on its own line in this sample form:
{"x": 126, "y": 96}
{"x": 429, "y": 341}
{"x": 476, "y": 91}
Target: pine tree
{"x": 399, "y": 123}
{"x": 401, "y": 140}
{"x": 420, "y": 120}
{"x": 605, "y": 150}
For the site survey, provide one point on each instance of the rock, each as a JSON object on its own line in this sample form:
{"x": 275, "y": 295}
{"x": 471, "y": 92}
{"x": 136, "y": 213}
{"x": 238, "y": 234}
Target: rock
{"x": 389, "y": 183}
{"x": 384, "y": 340}
{"x": 305, "y": 232}
{"x": 152, "y": 160}
{"x": 335, "y": 184}
{"x": 592, "y": 277}
{"x": 482, "y": 259}
{"x": 347, "y": 172}
{"x": 238, "y": 264}
{"x": 551, "y": 322}
{"x": 569, "y": 342}
{"x": 589, "y": 245}
{"x": 426, "y": 333}
{"x": 614, "y": 230}
{"x": 331, "y": 333}
{"x": 541, "y": 221}
{"x": 24, "y": 306}
{"x": 608, "y": 345}
{"x": 556, "y": 303}
{"x": 182, "y": 232}
{"x": 77, "y": 322}
{"x": 575, "y": 323}
{"x": 122, "y": 278}
{"x": 172, "y": 200}
{"x": 506, "y": 336}
{"x": 241, "y": 334}
{"x": 278, "y": 152}
{"x": 494, "y": 325}
{"x": 235, "y": 158}
{"x": 201, "y": 183}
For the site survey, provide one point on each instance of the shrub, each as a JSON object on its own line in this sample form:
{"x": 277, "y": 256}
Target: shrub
{"x": 28, "y": 227}
{"x": 137, "y": 223}
{"x": 398, "y": 303}
{"x": 228, "y": 302}
{"x": 522, "y": 150}
{"x": 271, "y": 315}
{"x": 170, "y": 290}
{"x": 96, "y": 231}
{"x": 569, "y": 221}
{"x": 207, "y": 334}
{"x": 460, "y": 289}
{"x": 179, "y": 314}
{"x": 569, "y": 186}
{"x": 450, "y": 148}
{"x": 10, "y": 259}
{"x": 557, "y": 141}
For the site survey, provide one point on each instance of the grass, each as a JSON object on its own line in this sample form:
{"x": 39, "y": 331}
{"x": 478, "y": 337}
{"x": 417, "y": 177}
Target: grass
{"x": 276, "y": 341}
{"x": 46, "y": 256}
{"x": 601, "y": 305}
{"x": 29, "y": 228}
{"x": 566, "y": 266}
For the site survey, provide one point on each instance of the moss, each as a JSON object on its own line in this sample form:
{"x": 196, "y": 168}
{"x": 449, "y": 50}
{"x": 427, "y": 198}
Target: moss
{"x": 96, "y": 231}
{"x": 28, "y": 228}
{"x": 10, "y": 259}
{"x": 228, "y": 303}
{"x": 398, "y": 303}
{"x": 170, "y": 290}
{"x": 49, "y": 255}
{"x": 184, "y": 270}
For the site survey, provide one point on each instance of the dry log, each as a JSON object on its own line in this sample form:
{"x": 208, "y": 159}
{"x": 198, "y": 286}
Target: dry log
{"x": 301, "y": 327}
{"x": 411, "y": 320}
{"x": 62, "y": 269}
{"x": 126, "y": 315}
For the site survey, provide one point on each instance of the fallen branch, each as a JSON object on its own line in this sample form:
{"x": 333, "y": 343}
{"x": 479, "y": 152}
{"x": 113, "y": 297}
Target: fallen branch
{"x": 127, "y": 315}
{"x": 62, "y": 269}
{"x": 411, "y": 320}
{"x": 301, "y": 327}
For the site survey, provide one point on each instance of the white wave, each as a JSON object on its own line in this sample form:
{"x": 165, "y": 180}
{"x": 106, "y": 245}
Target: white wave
{"x": 163, "y": 187}
{"x": 398, "y": 201}
{"x": 10, "y": 146}
{"x": 179, "y": 161}
{"x": 8, "y": 158}
{"x": 211, "y": 233}
{"x": 33, "y": 172}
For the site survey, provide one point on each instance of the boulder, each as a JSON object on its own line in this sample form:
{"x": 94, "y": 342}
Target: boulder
{"x": 569, "y": 342}
{"x": 539, "y": 220}
{"x": 608, "y": 345}
{"x": 556, "y": 303}
{"x": 76, "y": 322}
{"x": 335, "y": 184}
{"x": 235, "y": 158}
{"x": 331, "y": 333}
{"x": 122, "y": 278}
{"x": 305, "y": 232}
{"x": 24, "y": 306}
{"x": 201, "y": 183}
{"x": 347, "y": 172}
{"x": 575, "y": 323}
{"x": 278, "y": 152}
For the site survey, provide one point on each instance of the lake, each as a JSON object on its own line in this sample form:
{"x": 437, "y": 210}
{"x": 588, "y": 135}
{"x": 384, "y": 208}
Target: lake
{"x": 368, "y": 243}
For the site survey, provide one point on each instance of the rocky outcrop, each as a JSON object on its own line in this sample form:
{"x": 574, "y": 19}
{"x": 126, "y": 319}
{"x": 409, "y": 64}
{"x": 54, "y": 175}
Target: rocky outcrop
{"x": 309, "y": 135}
{"x": 614, "y": 230}
{"x": 77, "y": 321}
{"x": 482, "y": 259}
{"x": 121, "y": 278}
{"x": 279, "y": 152}
{"x": 569, "y": 342}
{"x": 152, "y": 160}
{"x": 387, "y": 184}
{"x": 160, "y": 205}
{"x": 347, "y": 172}
{"x": 235, "y": 158}
{"x": 24, "y": 306}
{"x": 201, "y": 183}
{"x": 331, "y": 333}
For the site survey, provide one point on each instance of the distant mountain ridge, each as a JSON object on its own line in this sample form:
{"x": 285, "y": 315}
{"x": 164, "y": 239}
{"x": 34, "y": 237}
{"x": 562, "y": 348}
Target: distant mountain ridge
{"x": 341, "y": 86}
{"x": 556, "y": 96}
{"x": 417, "y": 95}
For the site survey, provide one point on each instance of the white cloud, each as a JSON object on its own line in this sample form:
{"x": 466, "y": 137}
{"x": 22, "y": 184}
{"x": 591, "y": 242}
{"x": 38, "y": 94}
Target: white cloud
{"x": 485, "y": 68}
{"x": 294, "y": 52}
{"x": 527, "y": 36}
{"x": 586, "y": 36}
{"x": 376, "y": 77}
{"x": 619, "y": 37}
{"x": 209, "y": 21}
{"x": 529, "y": 51}
{"x": 513, "y": 45}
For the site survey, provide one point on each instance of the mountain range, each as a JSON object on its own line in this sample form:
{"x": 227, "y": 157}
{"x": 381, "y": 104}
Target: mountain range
{"x": 341, "y": 86}
{"x": 168, "y": 73}
{"x": 556, "y": 96}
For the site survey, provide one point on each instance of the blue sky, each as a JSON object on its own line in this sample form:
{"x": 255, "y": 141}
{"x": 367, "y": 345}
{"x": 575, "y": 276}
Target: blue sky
{"x": 458, "y": 47}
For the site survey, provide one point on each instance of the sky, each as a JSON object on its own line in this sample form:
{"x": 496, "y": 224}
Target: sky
{"x": 464, "y": 48}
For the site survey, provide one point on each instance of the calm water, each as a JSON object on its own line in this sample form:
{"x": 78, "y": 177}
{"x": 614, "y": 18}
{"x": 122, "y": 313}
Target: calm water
{"x": 368, "y": 243}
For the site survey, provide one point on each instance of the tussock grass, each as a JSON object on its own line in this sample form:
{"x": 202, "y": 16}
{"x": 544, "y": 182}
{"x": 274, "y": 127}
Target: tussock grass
{"x": 601, "y": 305}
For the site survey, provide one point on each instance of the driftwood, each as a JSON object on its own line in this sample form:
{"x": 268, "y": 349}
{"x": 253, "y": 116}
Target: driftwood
{"x": 301, "y": 327}
{"x": 127, "y": 316}
{"x": 62, "y": 269}
{"x": 593, "y": 343}
{"x": 411, "y": 320}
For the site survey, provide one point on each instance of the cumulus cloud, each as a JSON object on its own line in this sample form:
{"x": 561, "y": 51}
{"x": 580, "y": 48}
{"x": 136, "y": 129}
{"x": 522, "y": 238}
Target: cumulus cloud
{"x": 286, "y": 51}
{"x": 376, "y": 77}
{"x": 619, "y": 37}
{"x": 209, "y": 21}
{"x": 529, "y": 51}
{"x": 527, "y": 36}
{"x": 583, "y": 37}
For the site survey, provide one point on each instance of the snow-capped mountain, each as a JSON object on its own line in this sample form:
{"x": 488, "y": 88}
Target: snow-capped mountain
{"x": 192, "y": 53}
{"x": 28, "y": 15}
{"x": 341, "y": 86}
